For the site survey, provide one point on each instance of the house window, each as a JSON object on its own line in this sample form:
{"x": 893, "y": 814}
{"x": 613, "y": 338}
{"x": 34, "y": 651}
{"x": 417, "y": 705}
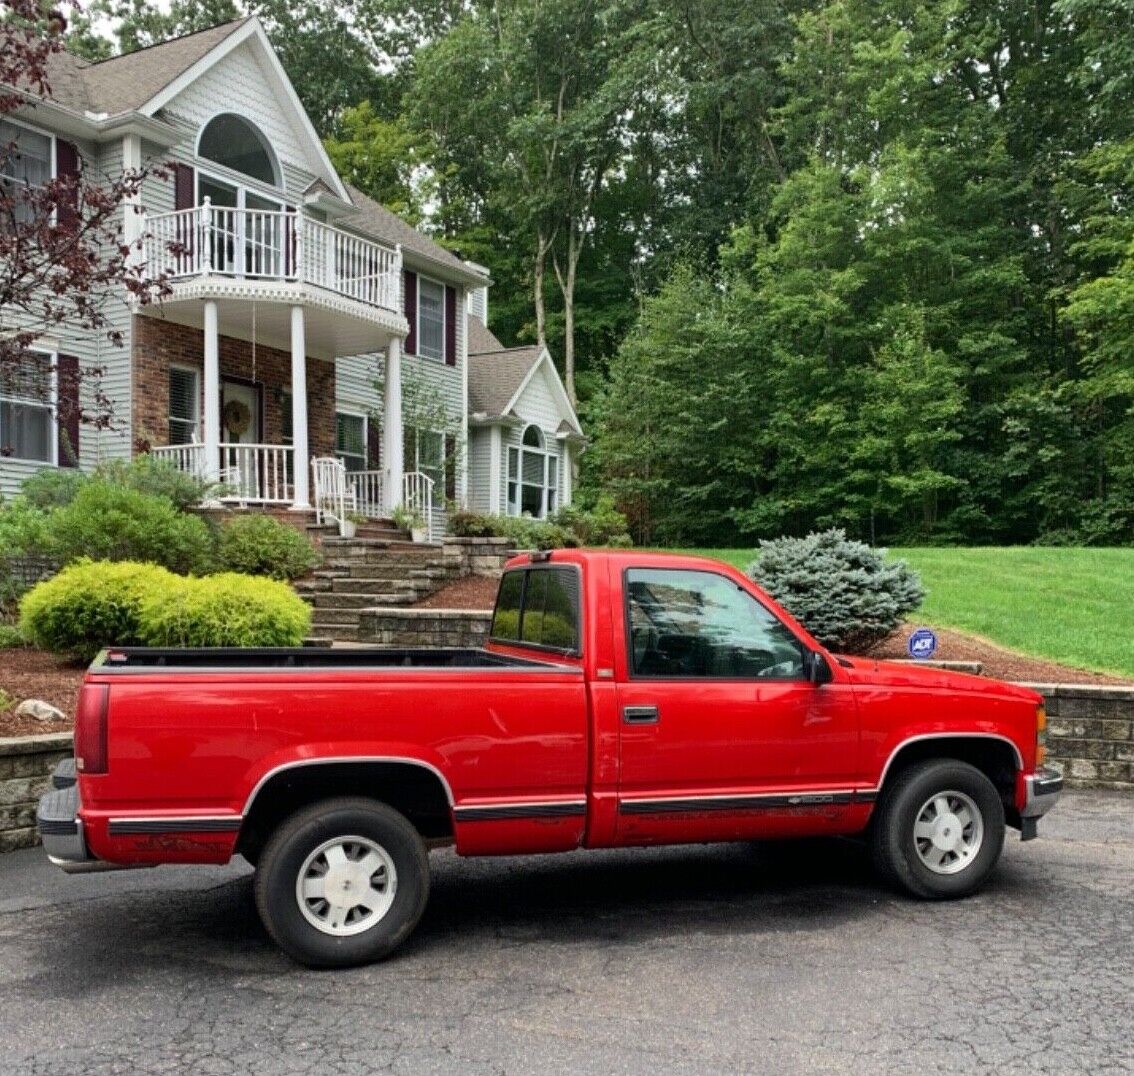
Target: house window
{"x": 350, "y": 440}
{"x": 533, "y": 477}
{"x": 25, "y": 164}
{"x": 27, "y": 419}
{"x": 430, "y": 319}
{"x": 425, "y": 452}
{"x": 184, "y": 405}
{"x": 232, "y": 141}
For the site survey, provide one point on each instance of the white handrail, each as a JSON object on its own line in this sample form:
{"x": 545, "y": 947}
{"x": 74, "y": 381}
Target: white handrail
{"x": 369, "y": 492}
{"x": 271, "y": 245}
{"x": 417, "y": 496}
{"x": 255, "y": 473}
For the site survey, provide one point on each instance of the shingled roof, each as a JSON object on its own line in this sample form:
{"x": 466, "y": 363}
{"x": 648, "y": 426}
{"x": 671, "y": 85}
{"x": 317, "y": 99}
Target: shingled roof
{"x": 495, "y": 372}
{"x": 125, "y": 83}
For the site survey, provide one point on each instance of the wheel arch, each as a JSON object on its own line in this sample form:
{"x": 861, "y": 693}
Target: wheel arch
{"x": 415, "y": 788}
{"x": 997, "y": 756}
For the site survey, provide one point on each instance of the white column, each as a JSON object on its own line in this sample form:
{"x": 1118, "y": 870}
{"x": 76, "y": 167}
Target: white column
{"x": 565, "y": 475}
{"x": 131, "y": 207}
{"x": 392, "y": 424}
{"x": 495, "y": 469}
{"x": 301, "y": 464}
{"x": 212, "y": 391}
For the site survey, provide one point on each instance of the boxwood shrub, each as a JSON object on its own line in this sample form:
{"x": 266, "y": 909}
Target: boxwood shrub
{"x": 261, "y": 545}
{"x": 225, "y": 610}
{"x": 92, "y": 604}
{"x": 848, "y": 595}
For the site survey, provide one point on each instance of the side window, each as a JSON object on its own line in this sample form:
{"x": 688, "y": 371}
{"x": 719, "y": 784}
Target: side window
{"x": 538, "y": 607}
{"x": 687, "y": 624}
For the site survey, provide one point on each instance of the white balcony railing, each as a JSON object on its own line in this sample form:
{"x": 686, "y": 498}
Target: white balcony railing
{"x": 253, "y": 244}
{"x": 249, "y": 474}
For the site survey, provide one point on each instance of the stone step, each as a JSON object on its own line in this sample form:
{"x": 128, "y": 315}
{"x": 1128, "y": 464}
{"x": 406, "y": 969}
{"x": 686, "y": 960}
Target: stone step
{"x": 380, "y": 571}
{"x": 356, "y": 601}
{"x": 372, "y": 586}
{"x": 322, "y": 619}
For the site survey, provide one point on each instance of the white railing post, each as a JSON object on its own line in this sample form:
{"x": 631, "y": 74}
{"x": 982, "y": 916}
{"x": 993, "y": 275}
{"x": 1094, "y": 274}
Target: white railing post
{"x": 298, "y": 230}
{"x": 204, "y": 254}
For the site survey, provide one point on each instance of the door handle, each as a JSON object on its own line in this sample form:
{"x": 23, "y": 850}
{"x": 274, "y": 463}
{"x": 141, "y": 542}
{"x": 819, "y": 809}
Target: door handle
{"x": 640, "y": 715}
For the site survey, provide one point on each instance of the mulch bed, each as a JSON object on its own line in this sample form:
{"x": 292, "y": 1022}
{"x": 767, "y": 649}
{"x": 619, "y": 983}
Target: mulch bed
{"x": 34, "y": 674}
{"x": 472, "y": 592}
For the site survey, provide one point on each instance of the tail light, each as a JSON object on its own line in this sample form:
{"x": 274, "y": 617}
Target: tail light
{"x": 1041, "y": 735}
{"x": 90, "y": 728}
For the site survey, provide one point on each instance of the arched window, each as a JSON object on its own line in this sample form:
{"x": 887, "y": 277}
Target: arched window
{"x": 234, "y": 142}
{"x": 533, "y": 476}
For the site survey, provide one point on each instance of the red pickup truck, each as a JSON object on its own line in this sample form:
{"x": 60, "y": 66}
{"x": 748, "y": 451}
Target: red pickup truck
{"x": 623, "y": 698}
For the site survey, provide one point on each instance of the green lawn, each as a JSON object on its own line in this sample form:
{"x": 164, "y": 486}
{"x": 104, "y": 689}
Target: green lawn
{"x": 1074, "y": 606}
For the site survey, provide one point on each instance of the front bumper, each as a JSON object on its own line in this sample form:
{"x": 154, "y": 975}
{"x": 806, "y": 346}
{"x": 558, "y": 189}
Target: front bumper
{"x": 1041, "y": 792}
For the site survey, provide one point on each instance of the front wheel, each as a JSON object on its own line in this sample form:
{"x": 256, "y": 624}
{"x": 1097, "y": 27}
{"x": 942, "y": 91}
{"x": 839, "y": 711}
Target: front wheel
{"x": 342, "y": 882}
{"x": 939, "y": 829}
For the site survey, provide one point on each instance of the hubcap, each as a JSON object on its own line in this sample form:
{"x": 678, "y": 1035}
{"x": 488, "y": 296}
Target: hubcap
{"x": 948, "y": 832}
{"x": 346, "y": 885}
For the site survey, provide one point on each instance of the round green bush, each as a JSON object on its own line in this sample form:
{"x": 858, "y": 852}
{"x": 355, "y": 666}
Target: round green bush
{"x": 107, "y": 521}
{"x": 261, "y": 545}
{"x": 53, "y": 487}
{"x": 225, "y": 610}
{"x": 156, "y": 477}
{"x": 90, "y": 605}
{"x": 849, "y": 596}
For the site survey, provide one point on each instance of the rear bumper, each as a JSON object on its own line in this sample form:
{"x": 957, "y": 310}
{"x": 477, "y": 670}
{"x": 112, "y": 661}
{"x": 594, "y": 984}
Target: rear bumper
{"x": 61, "y": 828}
{"x": 1041, "y": 792}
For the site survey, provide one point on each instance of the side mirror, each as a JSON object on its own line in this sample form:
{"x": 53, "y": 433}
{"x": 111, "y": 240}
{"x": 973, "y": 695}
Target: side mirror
{"x": 818, "y": 671}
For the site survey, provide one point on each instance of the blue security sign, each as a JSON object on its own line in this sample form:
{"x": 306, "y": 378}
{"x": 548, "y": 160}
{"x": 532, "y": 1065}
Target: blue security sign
{"x": 922, "y": 644}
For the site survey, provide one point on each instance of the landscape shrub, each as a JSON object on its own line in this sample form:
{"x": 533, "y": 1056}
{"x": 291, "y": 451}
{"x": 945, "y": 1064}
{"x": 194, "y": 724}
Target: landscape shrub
{"x": 848, "y": 595}
{"x": 109, "y": 521}
{"x": 23, "y": 529}
{"x": 600, "y": 525}
{"x": 261, "y": 545}
{"x": 225, "y": 610}
{"x": 156, "y": 477}
{"x": 52, "y": 487}
{"x": 92, "y": 604}
{"x": 11, "y": 637}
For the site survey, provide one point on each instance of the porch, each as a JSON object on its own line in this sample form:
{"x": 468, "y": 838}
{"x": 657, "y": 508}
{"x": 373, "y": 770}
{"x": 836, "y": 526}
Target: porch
{"x": 234, "y": 368}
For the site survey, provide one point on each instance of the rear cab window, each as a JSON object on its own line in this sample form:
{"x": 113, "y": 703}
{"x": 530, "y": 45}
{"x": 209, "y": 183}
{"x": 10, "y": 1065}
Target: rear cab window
{"x": 538, "y": 607}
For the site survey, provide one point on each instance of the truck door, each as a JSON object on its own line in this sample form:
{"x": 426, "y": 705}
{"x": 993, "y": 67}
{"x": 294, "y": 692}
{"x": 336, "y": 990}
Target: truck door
{"x": 722, "y": 734}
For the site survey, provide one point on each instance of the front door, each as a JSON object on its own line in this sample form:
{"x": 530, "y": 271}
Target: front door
{"x": 722, "y": 735}
{"x": 240, "y": 425}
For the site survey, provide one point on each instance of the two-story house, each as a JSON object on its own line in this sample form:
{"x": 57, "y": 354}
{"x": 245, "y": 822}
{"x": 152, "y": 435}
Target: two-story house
{"x": 303, "y": 320}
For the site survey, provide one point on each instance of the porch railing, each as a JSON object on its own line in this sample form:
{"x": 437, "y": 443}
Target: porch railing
{"x": 417, "y": 496}
{"x": 249, "y": 473}
{"x": 369, "y": 493}
{"x": 255, "y": 244}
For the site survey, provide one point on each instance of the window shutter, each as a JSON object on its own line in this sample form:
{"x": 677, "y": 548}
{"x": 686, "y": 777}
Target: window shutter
{"x": 450, "y": 325}
{"x": 67, "y": 167}
{"x": 183, "y": 194}
{"x": 411, "y": 311}
{"x": 67, "y": 411}
{"x": 450, "y": 467}
{"x": 373, "y": 446}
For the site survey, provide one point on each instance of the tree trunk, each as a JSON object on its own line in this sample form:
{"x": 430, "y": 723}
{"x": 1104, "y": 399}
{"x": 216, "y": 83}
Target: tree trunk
{"x": 567, "y": 287}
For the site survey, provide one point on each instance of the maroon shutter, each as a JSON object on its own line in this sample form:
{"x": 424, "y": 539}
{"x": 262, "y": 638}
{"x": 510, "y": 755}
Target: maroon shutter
{"x": 67, "y": 410}
{"x": 450, "y": 325}
{"x": 67, "y": 167}
{"x": 411, "y": 311}
{"x": 450, "y": 467}
{"x": 184, "y": 196}
{"x": 289, "y": 238}
{"x": 373, "y": 446}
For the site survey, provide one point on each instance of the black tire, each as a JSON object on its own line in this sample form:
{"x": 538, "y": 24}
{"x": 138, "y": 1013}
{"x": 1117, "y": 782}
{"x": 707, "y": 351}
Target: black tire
{"x": 288, "y": 849}
{"x": 894, "y": 846}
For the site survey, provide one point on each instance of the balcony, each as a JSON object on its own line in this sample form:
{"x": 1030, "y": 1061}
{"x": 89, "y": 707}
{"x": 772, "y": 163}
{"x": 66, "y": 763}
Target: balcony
{"x": 350, "y": 286}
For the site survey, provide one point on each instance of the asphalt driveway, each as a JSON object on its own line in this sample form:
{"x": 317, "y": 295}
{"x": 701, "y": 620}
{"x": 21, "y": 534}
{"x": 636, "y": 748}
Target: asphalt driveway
{"x": 778, "y": 958}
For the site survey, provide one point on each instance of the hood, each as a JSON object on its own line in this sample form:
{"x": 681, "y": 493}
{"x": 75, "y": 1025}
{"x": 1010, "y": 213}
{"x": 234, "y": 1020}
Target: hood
{"x": 868, "y": 671}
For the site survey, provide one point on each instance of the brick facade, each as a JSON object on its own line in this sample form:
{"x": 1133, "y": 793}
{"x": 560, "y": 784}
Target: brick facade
{"x": 158, "y": 343}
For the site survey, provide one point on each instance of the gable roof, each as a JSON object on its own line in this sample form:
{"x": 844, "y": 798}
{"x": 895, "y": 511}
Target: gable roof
{"x": 498, "y": 376}
{"x": 376, "y": 220}
{"x": 126, "y": 83}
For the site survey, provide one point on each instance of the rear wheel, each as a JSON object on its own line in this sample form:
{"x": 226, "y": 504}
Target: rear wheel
{"x": 939, "y": 829}
{"x": 342, "y": 882}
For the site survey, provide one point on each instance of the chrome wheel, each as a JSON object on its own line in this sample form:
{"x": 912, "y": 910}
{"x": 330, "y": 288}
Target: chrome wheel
{"x": 346, "y": 885}
{"x": 948, "y": 832}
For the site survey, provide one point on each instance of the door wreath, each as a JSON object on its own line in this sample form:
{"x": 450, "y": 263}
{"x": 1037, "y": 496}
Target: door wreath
{"x": 237, "y": 418}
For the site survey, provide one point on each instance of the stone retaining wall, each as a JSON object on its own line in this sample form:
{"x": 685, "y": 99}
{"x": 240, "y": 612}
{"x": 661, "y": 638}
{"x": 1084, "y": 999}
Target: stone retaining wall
{"x": 479, "y": 556}
{"x": 397, "y": 626}
{"x": 25, "y": 774}
{"x": 1090, "y": 732}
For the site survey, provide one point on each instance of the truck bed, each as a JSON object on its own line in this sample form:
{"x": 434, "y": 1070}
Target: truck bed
{"x": 283, "y": 659}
